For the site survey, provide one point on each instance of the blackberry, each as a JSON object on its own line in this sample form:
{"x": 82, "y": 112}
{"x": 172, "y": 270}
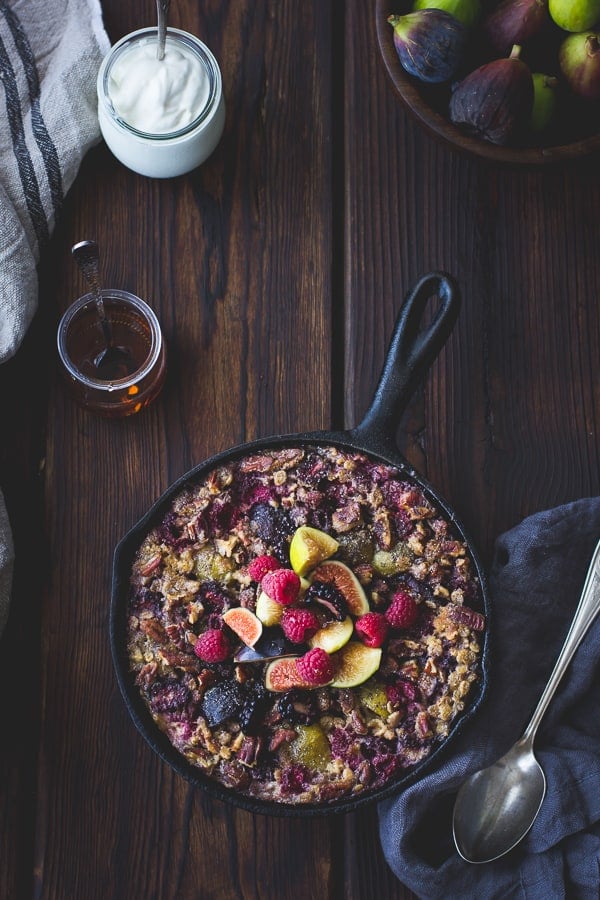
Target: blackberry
{"x": 253, "y": 707}
{"x": 328, "y": 596}
{"x": 169, "y": 695}
{"x": 298, "y": 707}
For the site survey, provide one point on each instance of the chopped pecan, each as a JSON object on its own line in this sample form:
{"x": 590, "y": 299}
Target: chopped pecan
{"x": 281, "y": 736}
{"x": 347, "y": 517}
{"x": 250, "y": 750}
{"x": 464, "y": 615}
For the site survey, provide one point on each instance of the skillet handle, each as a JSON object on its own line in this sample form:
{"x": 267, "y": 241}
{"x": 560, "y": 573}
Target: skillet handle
{"x": 410, "y": 355}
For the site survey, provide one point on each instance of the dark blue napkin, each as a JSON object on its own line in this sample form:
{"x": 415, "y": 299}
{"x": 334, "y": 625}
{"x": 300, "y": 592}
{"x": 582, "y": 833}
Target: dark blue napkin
{"x": 536, "y": 580}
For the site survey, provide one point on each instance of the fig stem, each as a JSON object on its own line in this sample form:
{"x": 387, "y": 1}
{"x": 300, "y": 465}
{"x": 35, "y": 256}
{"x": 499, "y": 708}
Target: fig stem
{"x": 515, "y": 52}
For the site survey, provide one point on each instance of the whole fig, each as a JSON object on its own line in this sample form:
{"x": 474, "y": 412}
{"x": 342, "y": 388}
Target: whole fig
{"x": 495, "y": 101}
{"x": 466, "y": 11}
{"x": 429, "y": 43}
{"x": 544, "y": 101}
{"x": 579, "y": 59}
{"x": 513, "y": 22}
{"x": 575, "y": 15}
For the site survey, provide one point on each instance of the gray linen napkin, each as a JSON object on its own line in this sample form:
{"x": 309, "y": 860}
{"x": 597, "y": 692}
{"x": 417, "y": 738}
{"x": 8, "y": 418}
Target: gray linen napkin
{"x": 50, "y": 53}
{"x": 536, "y": 581}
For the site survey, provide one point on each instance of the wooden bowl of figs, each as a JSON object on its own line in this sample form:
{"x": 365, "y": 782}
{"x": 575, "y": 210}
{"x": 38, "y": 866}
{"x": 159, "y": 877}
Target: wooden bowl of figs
{"x": 511, "y": 81}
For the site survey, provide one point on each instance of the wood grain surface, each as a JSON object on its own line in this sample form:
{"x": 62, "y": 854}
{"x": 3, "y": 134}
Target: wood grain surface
{"x": 276, "y": 270}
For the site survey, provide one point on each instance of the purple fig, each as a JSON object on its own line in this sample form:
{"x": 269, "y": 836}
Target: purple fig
{"x": 429, "y": 43}
{"x": 496, "y": 100}
{"x": 579, "y": 58}
{"x": 514, "y": 22}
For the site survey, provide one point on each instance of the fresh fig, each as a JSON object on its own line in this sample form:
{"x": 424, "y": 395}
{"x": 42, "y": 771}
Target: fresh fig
{"x": 308, "y": 547}
{"x": 575, "y": 15}
{"x": 466, "y": 11}
{"x": 430, "y": 44}
{"x": 495, "y": 101}
{"x": 345, "y": 581}
{"x": 244, "y": 623}
{"x": 282, "y": 675}
{"x": 333, "y": 635}
{"x": 355, "y": 663}
{"x": 544, "y": 101}
{"x": 579, "y": 59}
{"x": 513, "y": 22}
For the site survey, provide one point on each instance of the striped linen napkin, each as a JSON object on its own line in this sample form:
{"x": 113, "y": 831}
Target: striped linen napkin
{"x": 50, "y": 53}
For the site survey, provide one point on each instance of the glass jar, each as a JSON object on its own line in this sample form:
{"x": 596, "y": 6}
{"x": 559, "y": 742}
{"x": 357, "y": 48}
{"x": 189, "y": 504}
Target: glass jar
{"x": 132, "y": 374}
{"x": 159, "y": 153}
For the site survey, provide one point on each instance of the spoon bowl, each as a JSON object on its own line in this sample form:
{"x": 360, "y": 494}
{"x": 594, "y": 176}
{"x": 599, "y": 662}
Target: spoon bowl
{"x": 496, "y": 807}
{"x": 112, "y": 363}
{"x": 493, "y": 811}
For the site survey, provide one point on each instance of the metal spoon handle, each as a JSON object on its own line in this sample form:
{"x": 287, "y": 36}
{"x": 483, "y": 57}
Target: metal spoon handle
{"x": 162, "y": 10}
{"x": 87, "y": 256}
{"x": 586, "y": 611}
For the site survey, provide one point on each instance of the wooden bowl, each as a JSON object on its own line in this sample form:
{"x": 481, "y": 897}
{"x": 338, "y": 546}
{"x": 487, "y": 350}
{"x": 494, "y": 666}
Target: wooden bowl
{"x": 428, "y": 104}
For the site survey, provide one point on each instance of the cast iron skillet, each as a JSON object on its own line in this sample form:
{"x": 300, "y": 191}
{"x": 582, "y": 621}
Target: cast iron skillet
{"x": 412, "y": 351}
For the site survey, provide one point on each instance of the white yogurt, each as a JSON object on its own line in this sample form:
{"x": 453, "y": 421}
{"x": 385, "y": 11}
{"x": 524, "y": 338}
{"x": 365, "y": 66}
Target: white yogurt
{"x": 158, "y": 96}
{"x": 160, "y": 118}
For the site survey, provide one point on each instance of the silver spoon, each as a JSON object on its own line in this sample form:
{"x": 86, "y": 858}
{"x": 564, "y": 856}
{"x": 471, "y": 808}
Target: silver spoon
{"x": 496, "y": 807}
{"x": 112, "y": 362}
{"x": 162, "y": 9}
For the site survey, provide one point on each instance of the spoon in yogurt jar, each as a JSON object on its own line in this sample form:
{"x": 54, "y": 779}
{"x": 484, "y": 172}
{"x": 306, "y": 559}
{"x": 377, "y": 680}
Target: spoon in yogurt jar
{"x": 162, "y": 9}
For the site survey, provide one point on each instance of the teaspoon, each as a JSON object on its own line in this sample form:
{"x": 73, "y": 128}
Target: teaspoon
{"x": 112, "y": 362}
{"x": 496, "y": 807}
{"x": 162, "y": 10}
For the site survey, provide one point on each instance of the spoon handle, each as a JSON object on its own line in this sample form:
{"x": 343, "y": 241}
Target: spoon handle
{"x": 162, "y": 10}
{"x": 586, "y": 611}
{"x": 87, "y": 256}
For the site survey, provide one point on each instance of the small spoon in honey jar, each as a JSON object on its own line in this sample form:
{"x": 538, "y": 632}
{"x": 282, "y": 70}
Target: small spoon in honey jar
{"x": 112, "y": 362}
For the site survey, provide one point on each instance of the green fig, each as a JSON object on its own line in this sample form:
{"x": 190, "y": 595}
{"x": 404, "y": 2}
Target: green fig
{"x": 579, "y": 59}
{"x": 575, "y": 15}
{"x": 466, "y": 11}
{"x": 544, "y": 101}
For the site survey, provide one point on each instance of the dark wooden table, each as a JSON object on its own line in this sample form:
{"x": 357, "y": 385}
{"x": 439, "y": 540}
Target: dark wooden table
{"x": 276, "y": 271}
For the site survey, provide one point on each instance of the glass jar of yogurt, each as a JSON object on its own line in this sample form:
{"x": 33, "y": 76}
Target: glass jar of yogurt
{"x": 160, "y": 118}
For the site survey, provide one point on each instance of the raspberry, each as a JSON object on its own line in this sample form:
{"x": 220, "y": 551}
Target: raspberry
{"x": 402, "y": 611}
{"x": 212, "y": 646}
{"x": 260, "y": 565}
{"x": 282, "y": 585}
{"x": 372, "y": 629}
{"x": 299, "y": 624}
{"x": 315, "y": 667}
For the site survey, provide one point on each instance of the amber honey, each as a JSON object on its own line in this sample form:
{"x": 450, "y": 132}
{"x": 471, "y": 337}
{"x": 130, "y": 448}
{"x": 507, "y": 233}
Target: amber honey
{"x": 118, "y": 367}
